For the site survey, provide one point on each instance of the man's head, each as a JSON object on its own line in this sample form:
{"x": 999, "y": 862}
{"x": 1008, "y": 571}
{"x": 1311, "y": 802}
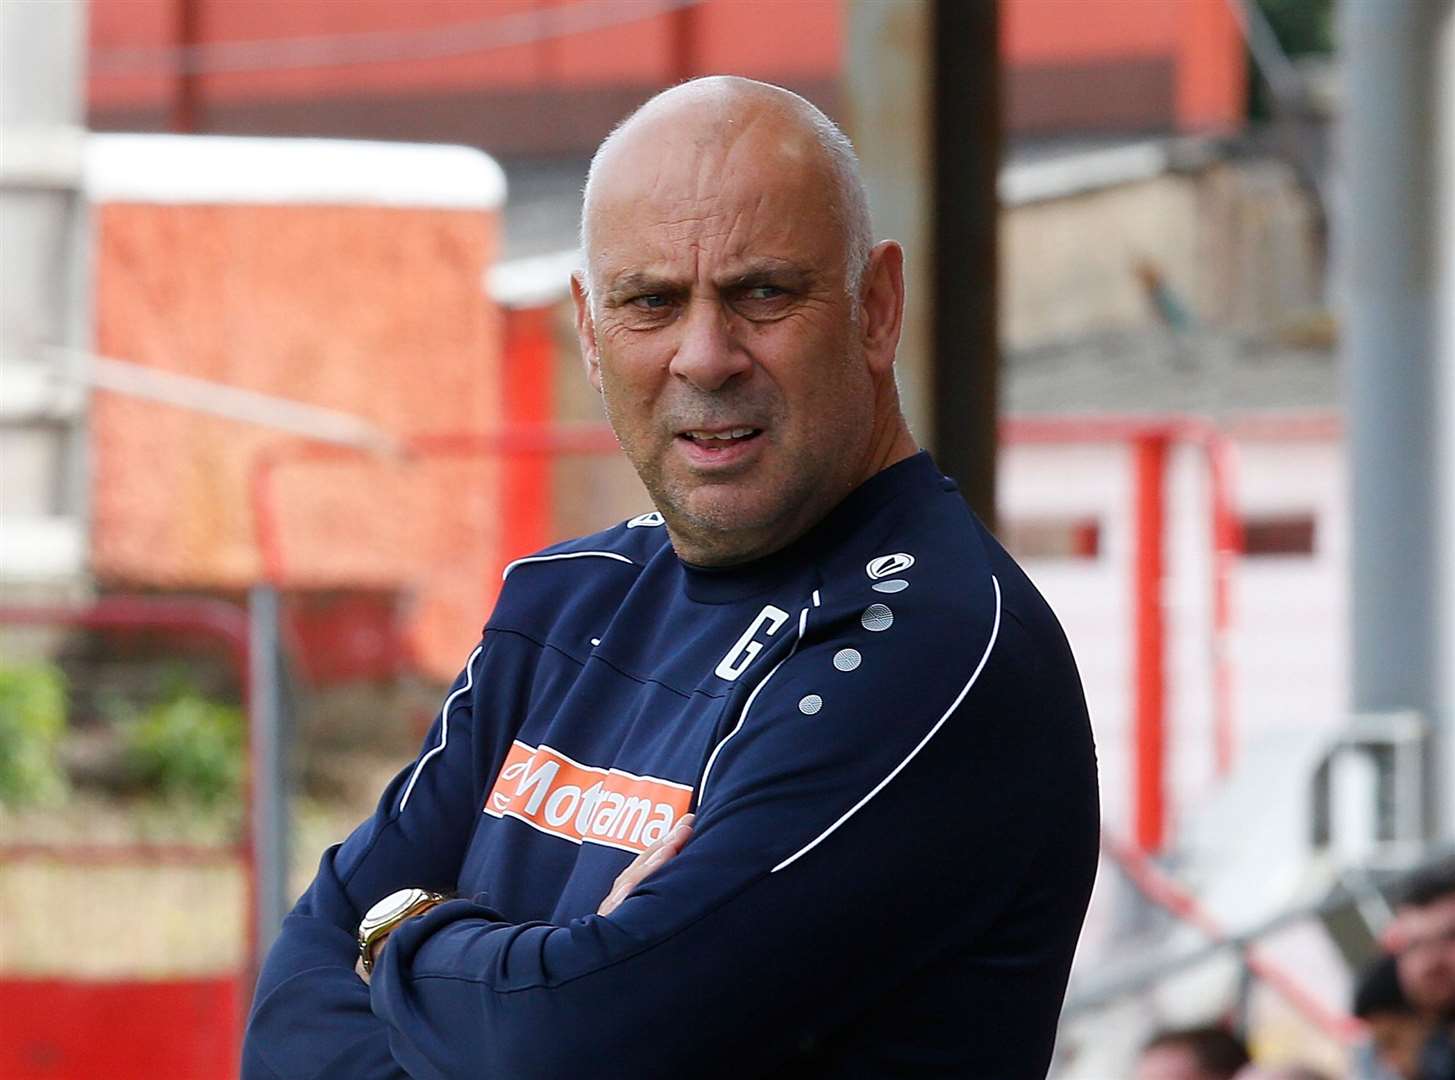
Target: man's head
{"x": 733, "y": 315}
{"x": 1397, "y": 1031}
{"x": 1422, "y": 938}
{"x": 1204, "y": 1053}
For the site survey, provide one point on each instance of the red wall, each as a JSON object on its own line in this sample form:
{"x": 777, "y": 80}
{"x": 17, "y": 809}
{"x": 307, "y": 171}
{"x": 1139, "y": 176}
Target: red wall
{"x": 374, "y": 311}
{"x": 771, "y": 38}
{"x": 55, "y": 1029}
{"x": 1071, "y": 64}
{"x": 1198, "y": 41}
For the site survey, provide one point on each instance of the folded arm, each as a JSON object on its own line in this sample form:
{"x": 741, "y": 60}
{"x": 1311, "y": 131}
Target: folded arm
{"x": 311, "y": 1014}
{"x": 836, "y": 850}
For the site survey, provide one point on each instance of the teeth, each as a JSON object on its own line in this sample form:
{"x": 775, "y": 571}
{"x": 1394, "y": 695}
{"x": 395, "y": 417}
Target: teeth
{"x": 735, "y": 433}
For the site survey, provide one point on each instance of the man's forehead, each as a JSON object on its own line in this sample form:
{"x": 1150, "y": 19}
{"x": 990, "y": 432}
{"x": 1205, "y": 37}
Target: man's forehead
{"x": 696, "y": 123}
{"x": 738, "y": 228}
{"x": 707, "y": 154}
{"x": 1439, "y": 912}
{"x": 740, "y": 223}
{"x": 679, "y": 175}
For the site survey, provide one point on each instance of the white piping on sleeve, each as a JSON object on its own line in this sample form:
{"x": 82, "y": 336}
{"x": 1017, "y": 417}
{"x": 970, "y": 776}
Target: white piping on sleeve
{"x": 563, "y": 555}
{"x": 994, "y": 633}
{"x": 444, "y": 725}
{"x": 706, "y": 769}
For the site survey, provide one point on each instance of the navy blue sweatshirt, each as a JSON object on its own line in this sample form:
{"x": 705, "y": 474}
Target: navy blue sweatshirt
{"x": 882, "y": 733}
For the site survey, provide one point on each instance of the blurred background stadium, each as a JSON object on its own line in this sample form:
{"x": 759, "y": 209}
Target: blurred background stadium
{"x": 289, "y": 376}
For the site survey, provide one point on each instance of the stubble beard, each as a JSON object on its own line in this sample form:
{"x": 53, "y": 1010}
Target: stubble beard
{"x": 731, "y": 524}
{"x": 749, "y": 518}
{"x": 737, "y": 524}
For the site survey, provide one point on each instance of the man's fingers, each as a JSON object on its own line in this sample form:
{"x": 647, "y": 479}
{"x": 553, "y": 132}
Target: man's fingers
{"x": 669, "y": 845}
{"x": 645, "y": 864}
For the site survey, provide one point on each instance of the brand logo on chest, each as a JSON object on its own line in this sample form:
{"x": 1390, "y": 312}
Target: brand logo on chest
{"x": 585, "y": 804}
{"x": 884, "y": 565}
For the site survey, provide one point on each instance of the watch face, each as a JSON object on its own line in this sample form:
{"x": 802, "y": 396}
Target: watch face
{"x": 392, "y": 906}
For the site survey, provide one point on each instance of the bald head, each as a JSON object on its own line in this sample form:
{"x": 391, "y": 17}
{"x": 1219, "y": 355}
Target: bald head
{"x": 736, "y": 319}
{"x": 713, "y": 123}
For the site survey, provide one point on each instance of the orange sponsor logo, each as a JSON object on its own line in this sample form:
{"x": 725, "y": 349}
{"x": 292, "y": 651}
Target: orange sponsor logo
{"x": 581, "y": 803}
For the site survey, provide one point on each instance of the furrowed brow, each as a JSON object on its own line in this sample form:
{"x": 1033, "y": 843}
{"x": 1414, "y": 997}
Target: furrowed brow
{"x": 774, "y": 271}
{"x": 636, "y": 283}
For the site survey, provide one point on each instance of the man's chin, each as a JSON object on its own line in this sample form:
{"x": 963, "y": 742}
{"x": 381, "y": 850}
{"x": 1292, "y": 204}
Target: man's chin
{"x": 725, "y": 527}
{"x": 1434, "y": 998}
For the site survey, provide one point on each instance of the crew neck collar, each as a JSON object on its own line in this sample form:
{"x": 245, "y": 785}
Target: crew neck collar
{"x": 726, "y": 584}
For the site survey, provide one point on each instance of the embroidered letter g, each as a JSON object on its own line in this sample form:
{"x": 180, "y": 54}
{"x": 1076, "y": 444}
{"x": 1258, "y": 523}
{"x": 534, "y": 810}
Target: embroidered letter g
{"x": 745, "y": 649}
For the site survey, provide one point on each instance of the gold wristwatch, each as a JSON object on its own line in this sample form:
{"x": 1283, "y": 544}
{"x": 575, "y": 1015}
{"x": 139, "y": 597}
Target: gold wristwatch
{"x": 388, "y": 913}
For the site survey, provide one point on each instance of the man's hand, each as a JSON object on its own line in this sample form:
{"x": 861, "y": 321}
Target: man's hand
{"x": 641, "y": 868}
{"x": 645, "y": 864}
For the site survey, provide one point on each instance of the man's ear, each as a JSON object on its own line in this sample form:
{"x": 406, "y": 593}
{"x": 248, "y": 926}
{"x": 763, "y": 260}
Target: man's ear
{"x": 881, "y": 305}
{"x": 586, "y": 329}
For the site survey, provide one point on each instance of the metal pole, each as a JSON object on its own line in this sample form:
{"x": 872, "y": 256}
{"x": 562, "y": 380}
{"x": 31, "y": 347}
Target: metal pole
{"x": 45, "y": 283}
{"x": 186, "y": 97}
{"x": 1395, "y": 375}
{"x": 268, "y": 773}
{"x": 1149, "y": 465}
{"x": 888, "y": 112}
{"x": 922, "y": 102}
{"x": 1443, "y": 475}
{"x": 685, "y": 42}
{"x": 967, "y": 132}
{"x": 527, "y": 395}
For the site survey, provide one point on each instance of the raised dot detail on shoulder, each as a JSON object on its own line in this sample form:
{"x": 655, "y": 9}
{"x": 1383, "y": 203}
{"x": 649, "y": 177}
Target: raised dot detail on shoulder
{"x": 810, "y": 704}
{"x": 893, "y": 585}
{"x": 847, "y": 659}
{"x": 877, "y": 617}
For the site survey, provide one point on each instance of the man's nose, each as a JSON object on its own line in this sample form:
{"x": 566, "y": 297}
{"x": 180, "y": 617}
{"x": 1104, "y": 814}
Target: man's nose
{"x": 708, "y": 353}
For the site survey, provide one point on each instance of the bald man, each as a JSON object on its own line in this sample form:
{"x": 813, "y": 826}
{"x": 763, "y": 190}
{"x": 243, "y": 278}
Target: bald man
{"x": 789, "y": 776}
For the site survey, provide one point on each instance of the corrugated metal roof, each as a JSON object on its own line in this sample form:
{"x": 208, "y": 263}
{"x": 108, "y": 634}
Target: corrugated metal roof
{"x": 1154, "y": 370}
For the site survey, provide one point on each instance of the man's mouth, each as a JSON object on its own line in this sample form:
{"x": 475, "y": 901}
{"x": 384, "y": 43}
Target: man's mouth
{"x": 720, "y": 440}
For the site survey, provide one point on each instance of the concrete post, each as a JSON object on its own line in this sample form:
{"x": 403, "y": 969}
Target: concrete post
{"x": 45, "y": 303}
{"x": 1443, "y": 473}
{"x": 266, "y": 743}
{"x": 1395, "y": 261}
{"x": 922, "y": 103}
{"x": 888, "y": 111}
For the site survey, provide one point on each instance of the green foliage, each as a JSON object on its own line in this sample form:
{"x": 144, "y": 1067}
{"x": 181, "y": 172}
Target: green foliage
{"x": 32, "y": 721}
{"x": 1303, "y": 27}
{"x": 186, "y": 747}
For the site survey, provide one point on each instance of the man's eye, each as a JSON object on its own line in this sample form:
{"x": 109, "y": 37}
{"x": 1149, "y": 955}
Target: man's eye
{"x": 651, "y": 301}
{"x": 764, "y": 292}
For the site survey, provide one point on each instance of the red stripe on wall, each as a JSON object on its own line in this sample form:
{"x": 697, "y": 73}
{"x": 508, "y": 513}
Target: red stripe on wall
{"x": 528, "y": 397}
{"x": 183, "y": 1030}
{"x": 1149, "y": 723}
